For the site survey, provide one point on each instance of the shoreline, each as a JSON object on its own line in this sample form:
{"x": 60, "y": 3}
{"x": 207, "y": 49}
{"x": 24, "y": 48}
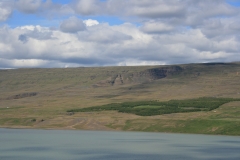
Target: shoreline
{"x": 121, "y": 131}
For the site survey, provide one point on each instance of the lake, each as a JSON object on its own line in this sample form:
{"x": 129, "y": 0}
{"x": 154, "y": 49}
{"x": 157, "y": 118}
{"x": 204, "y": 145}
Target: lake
{"x": 24, "y": 144}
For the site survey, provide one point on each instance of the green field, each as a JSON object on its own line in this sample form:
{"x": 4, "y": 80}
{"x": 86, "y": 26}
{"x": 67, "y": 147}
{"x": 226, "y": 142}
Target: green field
{"x": 150, "y": 108}
{"x": 186, "y": 98}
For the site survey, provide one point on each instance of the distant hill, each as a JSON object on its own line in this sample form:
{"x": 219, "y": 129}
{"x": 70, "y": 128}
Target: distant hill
{"x": 39, "y": 98}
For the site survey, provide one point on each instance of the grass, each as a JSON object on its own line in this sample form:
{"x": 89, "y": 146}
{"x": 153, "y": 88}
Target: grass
{"x": 11, "y": 108}
{"x": 200, "y": 126}
{"x": 150, "y": 108}
{"x": 17, "y": 121}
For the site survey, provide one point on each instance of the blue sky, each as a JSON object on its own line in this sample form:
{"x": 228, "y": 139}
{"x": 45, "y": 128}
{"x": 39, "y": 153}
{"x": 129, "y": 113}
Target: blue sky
{"x": 235, "y": 3}
{"x": 109, "y": 33}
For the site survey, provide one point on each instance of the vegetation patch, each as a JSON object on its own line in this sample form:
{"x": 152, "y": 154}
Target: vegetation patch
{"x": 150, "y": 108}
{"x": 17, "y": 121}
{"x": 200, "y": 126}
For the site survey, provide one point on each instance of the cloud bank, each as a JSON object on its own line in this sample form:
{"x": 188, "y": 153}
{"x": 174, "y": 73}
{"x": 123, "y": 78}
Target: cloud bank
{"x": 153, "y": 32}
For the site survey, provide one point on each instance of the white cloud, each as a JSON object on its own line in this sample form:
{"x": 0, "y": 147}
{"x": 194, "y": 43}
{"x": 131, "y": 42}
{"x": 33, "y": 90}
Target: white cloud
{"x": 156, "y": 9}
{"x": 5, "y": 12}
{"x": 88, "y": 7}
{"x": 35, "y": 32}
{"x": 134, "y": 62}
{"x": 33, "y": 63}
{"x": 43, "y": 8}
{"x": 28, "y": 6}
{"x": 109, "y": 45}
{"x": 90, "y": 22}
{"x": 156, "y": 27}
{"x": 103, "y": 34}
{"x": 167, "y": 32}
{"x": 51, "y": 10}
{"x": 72, "y": 25}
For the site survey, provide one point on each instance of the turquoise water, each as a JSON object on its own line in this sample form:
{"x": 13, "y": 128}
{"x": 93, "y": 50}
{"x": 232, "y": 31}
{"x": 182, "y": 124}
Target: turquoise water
{"x": 24, "y": 144}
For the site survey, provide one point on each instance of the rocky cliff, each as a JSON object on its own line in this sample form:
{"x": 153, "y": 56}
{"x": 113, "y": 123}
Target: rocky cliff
{"x": 140, "y": 77}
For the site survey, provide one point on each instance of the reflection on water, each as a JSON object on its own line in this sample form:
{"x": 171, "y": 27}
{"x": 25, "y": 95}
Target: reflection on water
{"x": 22, "y": 144}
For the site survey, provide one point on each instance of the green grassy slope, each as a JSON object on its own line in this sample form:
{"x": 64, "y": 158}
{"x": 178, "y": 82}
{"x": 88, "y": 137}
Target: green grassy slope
{"x": 39, "y": 98}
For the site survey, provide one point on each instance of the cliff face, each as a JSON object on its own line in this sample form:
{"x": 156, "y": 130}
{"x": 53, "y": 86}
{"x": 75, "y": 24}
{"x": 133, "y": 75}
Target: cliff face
{"x": 140, "y": 77}
{"x": 158, "y": 73}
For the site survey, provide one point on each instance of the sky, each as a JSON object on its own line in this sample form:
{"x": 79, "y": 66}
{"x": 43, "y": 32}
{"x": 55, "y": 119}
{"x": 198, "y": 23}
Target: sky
{"x": 85, "y": 33}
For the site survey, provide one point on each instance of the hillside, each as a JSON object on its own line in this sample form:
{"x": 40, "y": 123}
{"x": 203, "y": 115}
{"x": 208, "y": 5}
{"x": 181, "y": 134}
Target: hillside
{"x": 40, "y": 98}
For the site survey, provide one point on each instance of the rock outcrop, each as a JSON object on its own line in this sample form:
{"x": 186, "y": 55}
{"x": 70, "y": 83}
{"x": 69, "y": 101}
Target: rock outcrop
{"x": 140, "y": 77}
{"x": 22, "y": 95}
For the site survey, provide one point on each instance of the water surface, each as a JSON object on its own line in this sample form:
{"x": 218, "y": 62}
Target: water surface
{"x": 24, "y": 144}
